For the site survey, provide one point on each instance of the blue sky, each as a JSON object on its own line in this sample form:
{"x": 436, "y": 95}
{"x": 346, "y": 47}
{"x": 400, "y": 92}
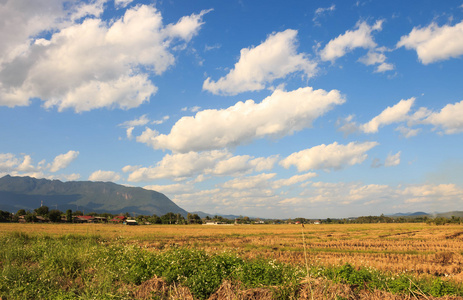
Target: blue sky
{"x": 272, "y": 109}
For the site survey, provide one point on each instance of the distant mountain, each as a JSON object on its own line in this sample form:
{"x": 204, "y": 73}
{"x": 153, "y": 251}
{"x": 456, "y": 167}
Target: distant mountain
{"x": 202, "y": 214}
{"x": 410, "y": 214}
{"x": 457, "y": 214}
{"x": 28, "y": 193}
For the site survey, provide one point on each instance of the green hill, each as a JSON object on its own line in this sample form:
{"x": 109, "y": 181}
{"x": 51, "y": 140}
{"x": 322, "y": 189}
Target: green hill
{"x": 28, "y": 193}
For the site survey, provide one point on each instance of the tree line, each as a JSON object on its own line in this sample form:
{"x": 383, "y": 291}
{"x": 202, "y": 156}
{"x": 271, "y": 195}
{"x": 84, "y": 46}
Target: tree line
{"x": 44, "y": 214}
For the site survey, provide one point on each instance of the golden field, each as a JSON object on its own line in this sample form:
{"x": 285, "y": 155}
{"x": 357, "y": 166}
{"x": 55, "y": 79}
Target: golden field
{"x": 416, "y": 248}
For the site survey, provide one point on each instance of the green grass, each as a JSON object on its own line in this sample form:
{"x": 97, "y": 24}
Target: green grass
{"x": 89, "y": 267}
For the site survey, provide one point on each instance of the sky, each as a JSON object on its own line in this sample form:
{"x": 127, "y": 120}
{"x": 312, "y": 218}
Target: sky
{"x": 271, "y": 109}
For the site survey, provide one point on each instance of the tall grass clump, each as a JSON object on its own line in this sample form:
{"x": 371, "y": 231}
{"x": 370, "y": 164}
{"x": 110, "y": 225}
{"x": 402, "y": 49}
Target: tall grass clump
{"x": 403, "y": 283}
{"x": 69, "y": 267}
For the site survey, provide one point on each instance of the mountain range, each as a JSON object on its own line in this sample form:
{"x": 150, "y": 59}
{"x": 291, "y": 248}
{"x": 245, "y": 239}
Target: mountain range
{"x": 87, "y": 196}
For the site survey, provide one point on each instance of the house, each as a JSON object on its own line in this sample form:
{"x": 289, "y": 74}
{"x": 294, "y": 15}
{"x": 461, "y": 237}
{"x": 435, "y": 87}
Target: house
{"x": 118, "y": 219}
{"x": 84, "y": 219}
{"x": 100, "y": 220}
{"x": 130, "y": 222}
{"x": 40, "y": 219}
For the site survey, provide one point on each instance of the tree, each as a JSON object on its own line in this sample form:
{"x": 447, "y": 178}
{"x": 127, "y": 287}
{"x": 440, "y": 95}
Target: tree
{"x": 169, "y": 218}
{"x": 42, "y": 211}
{"x": 55, "y": 215}
{"x": 69, "y": 216}
{"x": 21, "y": 212}
{"x": 193, "y": 219}
{"x": 5, "y": 216}
{"x": 30, "y": 217}
{"x": 154, "y": 219}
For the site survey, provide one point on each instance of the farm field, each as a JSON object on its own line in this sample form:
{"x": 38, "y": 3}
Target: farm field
{"x": 416, "y": 249}
{"x": 419, "y": 248}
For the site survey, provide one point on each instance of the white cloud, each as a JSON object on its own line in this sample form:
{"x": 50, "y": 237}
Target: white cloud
{"x": 63, "y": 160}
{"x": 397, "y": 113}
{"x": 122, "y": 3}
{"x": 293, "y": 180}
{"x": 345, "y": 193}
{"x": 333, "y": 156}
{"x": 350, "y": 40}
{"x": 347, "y": 125}
{"x": 408, "y": 132}
{"x": 432, "y": 193}
{"x": 24, "y": 166}
{"x": 185, "y": 165}
{"x": 376, "y": 58}
{"x": 130, "y": 125}
{"x": 70, "y": 177}
{"x": 275, "y": 58}
{"x": 434, "y": 43}
{"x": 450, "y": 118}
{"x": 262, "y": 194}
{"x": 23, "y": 19}
{"x": 321, "y": 11}
{"x": 8, "y": 161}
{"x": 392, "y": 160}
{"x": 159, "y": 122}
{"x": 383, "y": 67}
{"x": 250, "y": 182}
{"x": 172, "y": 189}
{"x": 280, "y": 114}
{"x": 187, "y": 27}
{"x": 105, "y": 176}
{"x": 95, "y": 64}
{"x": 142, "y": 120}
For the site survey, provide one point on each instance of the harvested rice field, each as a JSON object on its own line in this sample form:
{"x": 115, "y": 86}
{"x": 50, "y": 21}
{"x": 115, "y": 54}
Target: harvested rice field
{"x": 316, "y": 252}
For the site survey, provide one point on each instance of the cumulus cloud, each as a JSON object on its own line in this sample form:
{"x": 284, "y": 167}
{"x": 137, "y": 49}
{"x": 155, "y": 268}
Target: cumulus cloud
{"x": 434, "y": 43}
{"x": 262, "y": 193}
{"x": 293, "y": 180}
{"x": 354, "y": 194}
{"x": 130, "y": 125}
{"x": 345, "y": 193}
{"x": 333, "y": 156}
{"x": 105, "y": 176}
{"x": 23, "y": 19}
{"x": 63, "y": 160}
{"x": 350, "y": 40}
{"x": 376, "y": 58}
{"x": 280, "y": 114}
{"x": 450, "y": 118}
{"x": 432, "y": 192}
{"x": 392, "y": 160}
{"x": 397, "y": 113}
{"x": 184, "y": 165}
{"x": 249, "y": 182}
{"x": 172, "y": 189}
{"x": 24, "y": 165}
{"x": 8, "y": 161}
{"x": 275, "y": 58}
{"x": 93, "y": 64}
